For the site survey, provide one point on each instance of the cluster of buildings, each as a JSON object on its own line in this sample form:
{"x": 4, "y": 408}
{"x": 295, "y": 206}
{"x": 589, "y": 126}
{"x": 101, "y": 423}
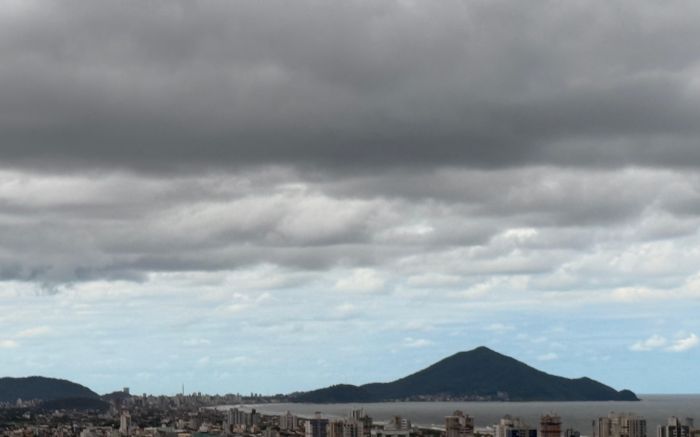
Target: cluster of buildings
{"x": 631, "y": 425}
{"x": 550, "y": 425}
{"x": 459, "y": 424}
{"x": 238, "y": 421}
{"x": 462, "y": 425}
{"x": 193, "y": 416}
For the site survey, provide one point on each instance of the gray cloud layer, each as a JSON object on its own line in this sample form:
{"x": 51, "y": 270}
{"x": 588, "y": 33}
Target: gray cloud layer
{"x": 184, "y": 85}
{"x": 461, "y": 224}
{"x": 455, "y": 138}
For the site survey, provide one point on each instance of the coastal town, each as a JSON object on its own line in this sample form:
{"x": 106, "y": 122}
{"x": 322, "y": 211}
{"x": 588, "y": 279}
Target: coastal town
{"x": 198, "y": 415}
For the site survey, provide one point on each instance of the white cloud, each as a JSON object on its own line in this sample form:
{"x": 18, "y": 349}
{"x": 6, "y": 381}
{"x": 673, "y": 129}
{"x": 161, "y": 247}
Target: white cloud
{"x": 550, "y": 356}
{"x": 239, "y": 360}
{"x": 634, "y": 294}
{"x": 361, "y": 280}
{"x": 196, "y": 342}
{"x": 7, "y": 344}
{"x": 345, "y": 310}
{"x": 34, "y": 332}
{"x": 499, "y": 327}
{"x": 411, "y": 342}
{"x": 684, "y": 344}
{"x": 520, "y": 235}
{"x": 654, "y": 342}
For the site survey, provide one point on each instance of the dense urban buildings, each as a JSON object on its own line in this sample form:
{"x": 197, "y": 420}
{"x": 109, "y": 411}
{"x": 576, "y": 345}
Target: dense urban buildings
{"x": 199, "y": 415}
{"x": 620, "y": 425}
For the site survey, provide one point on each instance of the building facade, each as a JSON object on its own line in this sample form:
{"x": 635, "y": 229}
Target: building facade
{"x": 459, "y": 425}
{"x": 550, "y": 426}
{"x": 316, "y": 427}
{"x": 675, "y": 428}
{"x": 620, "y": 425}
{"x": 513, "y": 427}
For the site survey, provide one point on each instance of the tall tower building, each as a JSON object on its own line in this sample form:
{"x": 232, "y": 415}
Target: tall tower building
{"x": 550, "y": 426}
{"x": 674, "y": 428}
{"x": 620, "y": 425}
{"x": 288, "y": 422}
{"x": 345, "y": 428}
{"x": 125, "y": 423}
{"x": 459, "y": 425}
{"x": 316, "y": 427}
{"x": 360, "y": 416}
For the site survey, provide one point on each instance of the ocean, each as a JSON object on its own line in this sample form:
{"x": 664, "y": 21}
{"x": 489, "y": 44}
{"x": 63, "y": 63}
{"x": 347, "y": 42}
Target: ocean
{"x": 578, "y": 415}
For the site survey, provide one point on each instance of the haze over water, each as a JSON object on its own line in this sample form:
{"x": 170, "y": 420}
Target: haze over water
{"x": 578, "y": 415}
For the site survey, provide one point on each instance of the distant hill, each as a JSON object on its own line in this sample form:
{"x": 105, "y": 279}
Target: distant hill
{"x": 116, "y": 396}
{"x": 78, "y": 404}
{"x": 479, "y": 374}
{"x": 39, "y": 387}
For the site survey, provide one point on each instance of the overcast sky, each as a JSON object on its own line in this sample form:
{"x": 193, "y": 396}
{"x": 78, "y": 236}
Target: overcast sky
{"x": 273, "y": 196}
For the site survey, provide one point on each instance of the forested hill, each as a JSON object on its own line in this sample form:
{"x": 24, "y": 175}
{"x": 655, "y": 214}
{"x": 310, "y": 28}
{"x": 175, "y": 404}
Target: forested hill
{"x": 478, "y": 374}
{"x": 39, "y": 387}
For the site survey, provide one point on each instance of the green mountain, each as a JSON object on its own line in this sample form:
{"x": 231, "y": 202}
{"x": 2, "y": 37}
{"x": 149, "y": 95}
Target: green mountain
{"x": 39, "y": 387}
{"x": 479, "y": 374}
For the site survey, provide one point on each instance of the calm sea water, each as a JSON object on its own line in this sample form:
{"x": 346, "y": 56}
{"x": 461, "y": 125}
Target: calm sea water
{"x": 578, "y": 415}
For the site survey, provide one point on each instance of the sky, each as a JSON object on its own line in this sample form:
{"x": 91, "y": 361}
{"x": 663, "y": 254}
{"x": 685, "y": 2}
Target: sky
{"x": 272, "y": 196}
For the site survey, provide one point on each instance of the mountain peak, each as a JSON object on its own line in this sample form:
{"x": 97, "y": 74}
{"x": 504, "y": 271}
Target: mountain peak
{"x": 482, "y": 349}
{"x": 477, "y": 374}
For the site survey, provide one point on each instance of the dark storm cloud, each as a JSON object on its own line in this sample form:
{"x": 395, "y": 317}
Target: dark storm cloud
{"x": 188, "y": 85}
{"x": 140, "y": 137}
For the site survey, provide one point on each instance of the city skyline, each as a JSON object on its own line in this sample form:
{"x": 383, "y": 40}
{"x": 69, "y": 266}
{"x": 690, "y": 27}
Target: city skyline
{"x": 270, "y": 196}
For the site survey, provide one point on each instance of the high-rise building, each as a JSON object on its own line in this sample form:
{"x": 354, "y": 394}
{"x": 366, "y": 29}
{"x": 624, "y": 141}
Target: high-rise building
{"x": 288, "y": 422}
{"x": 237, "y": 417}
{"x": 358, "y": 413}
{"x": 361, "y": 416}
{"x": 254, "y": 418}
{"x": 238, "y": 420}
{"x": 620, "y": 425}
{"x": 513, "y": 427}
{"x": 674, "y": 428}
{"x": 550, "y": 426}
{"x": 125, "y": 423}
{"x": 316, "y": 427}
{"x": 345, "y": 428}
{"x": 459, "y": 425}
